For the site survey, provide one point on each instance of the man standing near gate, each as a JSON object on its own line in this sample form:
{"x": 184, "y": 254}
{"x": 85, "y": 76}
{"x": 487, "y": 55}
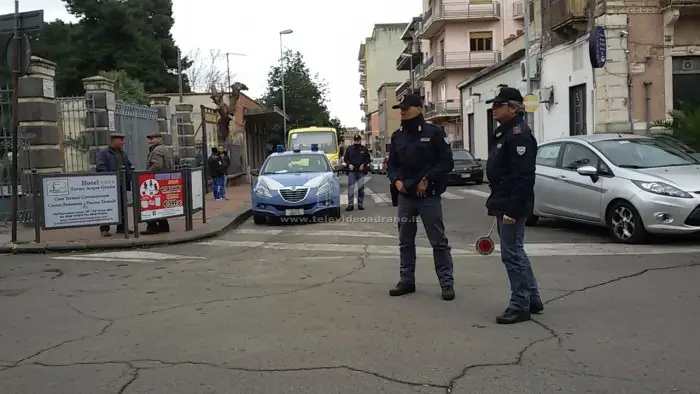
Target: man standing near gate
{"x": 357, "y": 159}
{"x": 511, "y": 173}
{"x": 159, "y": 159}
{"x": 111, "y": 159}
{"x": 419, "y": 161}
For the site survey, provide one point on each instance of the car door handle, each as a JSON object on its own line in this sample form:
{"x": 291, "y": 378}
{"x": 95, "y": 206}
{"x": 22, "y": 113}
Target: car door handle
{"x": 563, "y": 177}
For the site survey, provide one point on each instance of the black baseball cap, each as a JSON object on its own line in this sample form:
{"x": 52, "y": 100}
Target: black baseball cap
{"x": 358, "y": 137}
{"x": 409, "y": 100}
{"x": 505, "y": 95}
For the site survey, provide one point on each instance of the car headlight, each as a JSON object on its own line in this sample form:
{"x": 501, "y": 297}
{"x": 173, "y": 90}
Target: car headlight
{"x": 261, "y": 190}
{"x": 662, "y": 189}
{"x": 325, "y": 188}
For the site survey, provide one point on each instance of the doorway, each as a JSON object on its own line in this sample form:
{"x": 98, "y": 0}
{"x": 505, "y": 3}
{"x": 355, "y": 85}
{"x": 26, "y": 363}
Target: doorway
{"x": 577, "y": 110}
{"x": 470, "y": 131}
{"x": 491, "y": 125}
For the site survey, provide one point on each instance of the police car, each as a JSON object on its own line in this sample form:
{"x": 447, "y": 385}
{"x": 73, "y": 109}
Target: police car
{"x": 295, "y": 184}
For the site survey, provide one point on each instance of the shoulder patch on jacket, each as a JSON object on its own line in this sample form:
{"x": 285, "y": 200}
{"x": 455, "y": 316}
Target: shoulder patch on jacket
{"x": 517, "y": 130}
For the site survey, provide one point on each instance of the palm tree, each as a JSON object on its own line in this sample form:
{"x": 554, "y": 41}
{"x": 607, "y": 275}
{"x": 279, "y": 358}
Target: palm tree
{"x": 684, "y": 124}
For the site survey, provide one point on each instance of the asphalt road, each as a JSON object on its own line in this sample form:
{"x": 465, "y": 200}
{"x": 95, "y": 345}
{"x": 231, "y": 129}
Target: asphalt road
{"x": 305, "y": 309}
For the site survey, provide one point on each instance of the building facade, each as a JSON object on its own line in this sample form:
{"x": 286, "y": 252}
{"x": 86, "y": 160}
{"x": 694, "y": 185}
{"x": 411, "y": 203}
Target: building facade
{"x": 376, "y": 64}
{"x": 389, "y": 119}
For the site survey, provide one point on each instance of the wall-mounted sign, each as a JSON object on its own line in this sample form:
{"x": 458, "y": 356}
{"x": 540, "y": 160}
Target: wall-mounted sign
{"x": 597, "y": 46}
{"x": 161, "y": 195}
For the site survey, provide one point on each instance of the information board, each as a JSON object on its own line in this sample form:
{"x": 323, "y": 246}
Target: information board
{"x": 161, "y": 195}
{"x": 80, "y": 200}
{"x": 197, "y": 194}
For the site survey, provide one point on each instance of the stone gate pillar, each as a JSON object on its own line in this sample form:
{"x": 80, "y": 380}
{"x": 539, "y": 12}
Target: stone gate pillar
{"x": 100, "y": 119}
{"x": 39, "y": 144}
{"x": 185, "y": 133}
{"x": 162, "y": 105}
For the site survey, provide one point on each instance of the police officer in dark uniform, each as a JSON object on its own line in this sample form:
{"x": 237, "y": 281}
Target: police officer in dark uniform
{"x": 511, "y": 173}
{"x": 419, "y": 162}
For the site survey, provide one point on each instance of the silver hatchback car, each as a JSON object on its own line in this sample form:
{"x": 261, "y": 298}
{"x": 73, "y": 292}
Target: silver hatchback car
{"x": 631, "y": 184}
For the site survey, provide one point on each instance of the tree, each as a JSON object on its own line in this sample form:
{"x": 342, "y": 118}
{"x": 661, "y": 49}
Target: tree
{"x": 305, "y": 95}
{"x": 205, "y": 73}
{"x": 336, "y": 124}
{"x": 126, "y": 88}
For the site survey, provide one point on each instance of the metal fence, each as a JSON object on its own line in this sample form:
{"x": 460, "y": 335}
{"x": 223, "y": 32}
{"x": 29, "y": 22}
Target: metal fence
{"x": 74, "y": 116}
{"x": 136, "y": 122}
{"x": 25, "y": 207}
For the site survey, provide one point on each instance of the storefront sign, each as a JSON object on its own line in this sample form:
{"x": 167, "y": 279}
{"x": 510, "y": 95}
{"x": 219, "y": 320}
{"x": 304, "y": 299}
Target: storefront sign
{"x": 597, "y": 46}
{"x": 197, "y": 194}
{"x": 161, "y": 195}
{"x": 80, "y": 200}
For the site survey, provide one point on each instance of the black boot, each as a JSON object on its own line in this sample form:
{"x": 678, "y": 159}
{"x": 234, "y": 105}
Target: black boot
{"x": 511, "y": 316}
{"x": 350, "y": 208}
{"x": 163, "y": 226}
{"x": 151, "y": 228}
{"x": 448, "y": 292}
{"x": 536, "y": 306}
{"x": 402, "y": 289}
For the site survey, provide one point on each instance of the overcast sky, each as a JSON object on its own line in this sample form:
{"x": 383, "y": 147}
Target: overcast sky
{"x": 327, "y": 33}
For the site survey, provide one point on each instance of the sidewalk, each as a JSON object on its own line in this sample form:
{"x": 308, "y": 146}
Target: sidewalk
{"x": 220, "y": 216}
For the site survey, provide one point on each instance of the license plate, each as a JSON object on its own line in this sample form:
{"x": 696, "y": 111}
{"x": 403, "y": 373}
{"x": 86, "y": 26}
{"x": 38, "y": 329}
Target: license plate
{"x": 294, "y": 212}
{"x": 466, "y": 175}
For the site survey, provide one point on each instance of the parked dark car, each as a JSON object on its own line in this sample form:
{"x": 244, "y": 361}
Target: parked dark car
{"x": 466, "y": 170}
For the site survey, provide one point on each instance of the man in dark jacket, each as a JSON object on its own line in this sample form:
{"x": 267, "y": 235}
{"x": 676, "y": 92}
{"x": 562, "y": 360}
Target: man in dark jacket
{"x": 419, "y": 162}
{"x": 226, "y": 164}
{"x": 216, "y": 170}
{"x": 357, "y": 159}
{"x": 111, "y": 159}
{"x": 511, "y": 173}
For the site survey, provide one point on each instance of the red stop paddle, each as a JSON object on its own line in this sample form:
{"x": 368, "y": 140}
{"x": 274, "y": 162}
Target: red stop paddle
{"x": 485, "y": 245}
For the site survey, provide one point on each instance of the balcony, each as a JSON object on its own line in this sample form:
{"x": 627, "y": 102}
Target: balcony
{"x": 437, "y": 66}
{"x": 567, "y": 16}
{"x": 435, "y": 19}
{"x": 363, "y": 93}
{"x": 403, "y": 89}
{"x": 404, "y": 63}
{"x": 518, "y": 11}
{"x": 680, "y": 3}
{"x": 361, "y": 68}
{"x": 363, "y": 107}
{"x": 442, "y": 110}
{"x": 363, "y": 79}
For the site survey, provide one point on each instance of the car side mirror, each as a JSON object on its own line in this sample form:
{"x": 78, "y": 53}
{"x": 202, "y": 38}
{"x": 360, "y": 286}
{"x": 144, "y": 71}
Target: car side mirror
{"x": 587, "y": 171}
{"x": 254, "y": 172}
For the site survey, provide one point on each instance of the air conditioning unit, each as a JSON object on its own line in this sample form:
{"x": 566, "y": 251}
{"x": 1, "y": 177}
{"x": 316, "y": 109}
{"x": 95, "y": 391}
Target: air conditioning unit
{"x": 534, "y": 70}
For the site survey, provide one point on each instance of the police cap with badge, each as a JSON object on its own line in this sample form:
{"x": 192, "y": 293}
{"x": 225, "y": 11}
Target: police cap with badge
{"x": 409, "y": 100}
{"x": 506, "y": 95}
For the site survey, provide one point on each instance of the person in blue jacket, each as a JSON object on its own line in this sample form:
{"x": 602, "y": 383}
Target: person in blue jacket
{"x": 419, "y": 161}
{"x": 511, "y": 172}
{"x": 111, "y": 159}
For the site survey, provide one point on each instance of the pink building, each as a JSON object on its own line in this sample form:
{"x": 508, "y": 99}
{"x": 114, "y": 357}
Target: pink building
{"x": 449, "y": 43}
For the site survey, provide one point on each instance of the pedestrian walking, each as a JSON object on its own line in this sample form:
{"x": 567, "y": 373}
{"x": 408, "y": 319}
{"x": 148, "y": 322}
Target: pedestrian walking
{"x": 511, "y": 172}
{"x": 111, "y": 159}
{"x": 216, "y": 170}
{"x": 159, "y": 159}
{"x": 357, "y": 159}
{"x": 226, "y": 163}
{"x": 419, "y": 161}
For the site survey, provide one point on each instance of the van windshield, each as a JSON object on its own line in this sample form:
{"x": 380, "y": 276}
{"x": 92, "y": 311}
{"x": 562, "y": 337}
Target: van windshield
{"x": 325, "y": 139}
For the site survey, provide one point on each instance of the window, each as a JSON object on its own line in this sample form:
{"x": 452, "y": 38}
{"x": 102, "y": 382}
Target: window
{"x": 547, "y": 155}
{"x": 481, "y": 41}
{"x": 576, "y": 156}
{"x": 296, "y": 164}
{"x": 531, "y": 11}
{"x": 325, "y": 140}
{"x": 462, "y": 155}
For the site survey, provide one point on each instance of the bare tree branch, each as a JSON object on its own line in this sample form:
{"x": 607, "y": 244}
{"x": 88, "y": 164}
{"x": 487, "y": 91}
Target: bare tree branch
{"x": 205, "y": 71}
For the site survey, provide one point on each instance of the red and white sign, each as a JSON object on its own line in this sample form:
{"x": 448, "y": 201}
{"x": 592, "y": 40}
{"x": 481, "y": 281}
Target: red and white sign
{"x": 162, "y": 195}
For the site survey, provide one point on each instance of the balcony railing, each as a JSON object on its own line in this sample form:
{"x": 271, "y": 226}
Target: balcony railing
{"x": 363, "y": 79}
{"x": 680, "y": 3}
{"x": 434, "y": 19}
{"x": 518, "y": 12}
{"x": 363, "y": 93}
{"x": 441, "y": 62}
{"x": 363, "y": 107}
{"x": 564, "y": 13}
{"x": 402, "y": 89}
{"x": 442, "y": 109}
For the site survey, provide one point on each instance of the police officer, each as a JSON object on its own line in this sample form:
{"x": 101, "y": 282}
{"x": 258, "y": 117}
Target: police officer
{"x": 419, "y": 161}
{"x": 511, "y": 173}
{"x": 357, "y": 159}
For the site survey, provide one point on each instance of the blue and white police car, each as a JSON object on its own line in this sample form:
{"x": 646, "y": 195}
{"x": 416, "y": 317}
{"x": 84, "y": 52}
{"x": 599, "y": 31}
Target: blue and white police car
{"x": 295, "y": 184}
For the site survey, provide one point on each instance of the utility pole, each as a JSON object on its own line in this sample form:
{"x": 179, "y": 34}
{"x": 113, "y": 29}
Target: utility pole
{"x": 284, "y": 100}
{"x": 15, "y": 123}
{"x": 228, "y": 68}
{"x": 179, "y": 75}
{"x": 526, "y": 38}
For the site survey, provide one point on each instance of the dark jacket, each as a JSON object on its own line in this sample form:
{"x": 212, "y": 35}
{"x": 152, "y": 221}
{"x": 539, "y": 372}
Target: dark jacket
{"x": 420, "y": 150}
{"x": 216, "y": 166}
{"x": 159, "y": 158}
{"x": 106, "y": 161}
{"x": 511, "y": 170}
{"x": 226, "y": 163}
{"x": 357, "y": 155}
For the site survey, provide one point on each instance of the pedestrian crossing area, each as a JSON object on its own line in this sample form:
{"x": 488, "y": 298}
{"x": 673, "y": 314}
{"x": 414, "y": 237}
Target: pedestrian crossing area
{"x": 384, "y": 198}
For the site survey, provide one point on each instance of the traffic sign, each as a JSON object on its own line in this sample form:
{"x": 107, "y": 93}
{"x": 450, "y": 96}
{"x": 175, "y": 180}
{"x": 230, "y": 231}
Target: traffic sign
{"x": 531, "y": 103}
{"x": 28, "y": 21}
{"x": 25, "y": 54}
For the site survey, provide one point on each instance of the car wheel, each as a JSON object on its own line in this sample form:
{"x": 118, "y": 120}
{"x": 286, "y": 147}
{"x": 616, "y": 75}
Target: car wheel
{"x": 335, "y": 213}
{"x": 532, "y": 220}
{"x": 479, "y": 182}
{"x": 259, "y": 219}
{"x": 624, "y": 223}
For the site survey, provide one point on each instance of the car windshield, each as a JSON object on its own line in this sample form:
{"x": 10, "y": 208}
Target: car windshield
{"x": 325, "y": 139}
{"x": 643, "y": 153}
{"x": 462, "y": 155}
{"x": 674, "y": 143}
{"x": 290, "y": 164}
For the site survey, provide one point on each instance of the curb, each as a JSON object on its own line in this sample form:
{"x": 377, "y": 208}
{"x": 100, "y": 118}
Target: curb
{"x": 216, "y": 226}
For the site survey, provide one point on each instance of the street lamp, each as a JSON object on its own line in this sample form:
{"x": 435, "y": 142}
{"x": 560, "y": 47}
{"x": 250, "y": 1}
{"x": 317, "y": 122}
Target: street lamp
{"x": 284, "y": 103}
{"x": 410, "y": 72}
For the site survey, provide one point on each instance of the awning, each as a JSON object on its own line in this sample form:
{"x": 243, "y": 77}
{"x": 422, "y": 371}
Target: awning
{"x": 265, "y": 115}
